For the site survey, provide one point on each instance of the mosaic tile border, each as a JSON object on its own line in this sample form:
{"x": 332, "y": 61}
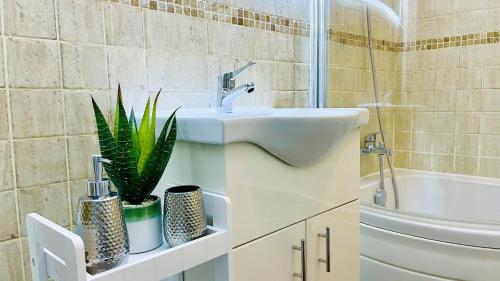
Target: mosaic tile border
{"x": 215, "y": 11}
{"x": 220, "y": 12}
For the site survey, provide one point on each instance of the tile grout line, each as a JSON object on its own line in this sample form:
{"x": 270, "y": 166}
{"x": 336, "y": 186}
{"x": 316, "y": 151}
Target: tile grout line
{"x": 11, "y": 138}
{"x": 63, "y": 101}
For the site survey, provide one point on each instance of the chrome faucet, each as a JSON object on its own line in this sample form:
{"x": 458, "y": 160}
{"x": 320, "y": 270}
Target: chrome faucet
{"x": 371, "y": 147}
{"x": 228, "y": 91}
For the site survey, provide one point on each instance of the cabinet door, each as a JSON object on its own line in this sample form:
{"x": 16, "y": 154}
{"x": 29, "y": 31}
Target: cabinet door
{"x": 271, "y": 258}
{"x": 344, "y": 244}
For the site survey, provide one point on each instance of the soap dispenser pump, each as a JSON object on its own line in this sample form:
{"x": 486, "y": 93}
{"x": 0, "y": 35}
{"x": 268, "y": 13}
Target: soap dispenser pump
{"x": 101, "y": 224}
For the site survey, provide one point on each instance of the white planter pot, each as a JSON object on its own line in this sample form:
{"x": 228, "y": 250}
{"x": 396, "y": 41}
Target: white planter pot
{"x": 144, "y": 225}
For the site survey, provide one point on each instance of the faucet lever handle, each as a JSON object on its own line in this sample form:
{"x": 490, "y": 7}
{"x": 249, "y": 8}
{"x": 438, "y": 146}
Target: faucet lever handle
{"x": 228, "y": 78}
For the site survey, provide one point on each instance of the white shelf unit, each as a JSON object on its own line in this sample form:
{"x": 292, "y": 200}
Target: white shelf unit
{"x": 58, "y": 254}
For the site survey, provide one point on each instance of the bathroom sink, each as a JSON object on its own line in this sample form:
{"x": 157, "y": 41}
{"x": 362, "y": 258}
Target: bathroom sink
{"x": 298, "y": 136}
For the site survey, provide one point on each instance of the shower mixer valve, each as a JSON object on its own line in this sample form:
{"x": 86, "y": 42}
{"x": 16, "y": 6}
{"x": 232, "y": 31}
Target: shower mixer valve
{"x": 371, "y": 146}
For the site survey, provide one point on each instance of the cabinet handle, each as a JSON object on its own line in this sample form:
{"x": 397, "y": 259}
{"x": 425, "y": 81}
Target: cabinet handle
{"x": 328, "y": 257}
{"x": 303, "y": 266}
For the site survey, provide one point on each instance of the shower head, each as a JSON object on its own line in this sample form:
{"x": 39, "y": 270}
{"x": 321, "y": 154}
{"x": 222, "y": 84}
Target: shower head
{"x": 385, "y": 10}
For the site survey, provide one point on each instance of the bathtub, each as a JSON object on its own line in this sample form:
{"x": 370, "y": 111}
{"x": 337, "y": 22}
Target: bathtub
{"x": 447, "y": 228}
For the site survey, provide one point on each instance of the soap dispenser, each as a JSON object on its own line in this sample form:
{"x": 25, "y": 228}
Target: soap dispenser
{"x": 101, "y": 223}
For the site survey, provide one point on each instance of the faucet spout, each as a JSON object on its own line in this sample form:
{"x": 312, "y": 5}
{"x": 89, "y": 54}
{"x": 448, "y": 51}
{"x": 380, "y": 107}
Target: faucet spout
{"x": 226, "y": 104}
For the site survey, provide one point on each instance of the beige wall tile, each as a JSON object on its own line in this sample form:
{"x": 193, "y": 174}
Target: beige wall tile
{"x": 468, "y": 122}
{"x": 490, "y": 54}
{"x": 472, "y": 22}
{"x": 403, "y": 141}
{"x": 220, "y": 38}
{"x": 446, "y": 79}
{"x": 444, "y": 122}
{"x": 423, "y": 121}
{"x": 301, "y": 77}
{"x": 425, "y": 80}
{"x": 265, "y": 6}
{"x": 489, "y": 167}
{"x": 467, "y": 144}
{"x": 445, "y": 100}
{"x": 470, "y": 78}
{"x": 127, "y": 66}
{"x": 421, "y": 161}
{"x": 472, "y": 55}
{"x": 30, "y": 18}
{"x": 489, "y": 146}
{"x": 426, "y": 8}
{"x": 84, "y": 66}
{"x": 448, "y": 6}
{"x": 124, "y": 25}
{"x": 302, "y": 49}
{"x": 443, "y": 143}
{"x": 424, "y": 101}
{"x": 447, "y": 58}
{"x": 492, "y": 19}
{"x": 161, "y": 30}
{"x": 10, "y": 261}
{"x": 426, "y": 28}
{"x": 8, "y": 216}
{"x": 491, "y": 77}
{"x": 447, "y": 25}
{"x": 40, "y": 122}
{"x": 49, "y": 201}
{"x": 4, "y": 120}
{"x": 286, "y": 76}
{"x": 36, "y": 64}
{"x": 80, "y": 119}
{"x": 468, "y": 100}
{"x": 243, "y": 42}
{"x": 422, "y": 141}
{"x": 80, "y": 149}
{"x": 490, "y": 100}
{"x": 267, "y": 76}
{"x": 193, "y": 35}
{"x": 193, "y": 72}
{"x": 77, "y": 189}
{"x": 490, "y": 123}
{"x": 6, "y": 176}
{"x": 26, "y": 259}
{"x": 163, "y": 69}
{"x": 40, "y": 162}
{"x": 403, "y": 121}
{"x": 285, "y": 45}
{"x": 81, "y": 21}
{"x": 265, "y": 45}
{"x": 443, "y": 163}
{"x": 402, "y": 159}
{"x": 466, "y": 165}
{"x": 426, "y": 60}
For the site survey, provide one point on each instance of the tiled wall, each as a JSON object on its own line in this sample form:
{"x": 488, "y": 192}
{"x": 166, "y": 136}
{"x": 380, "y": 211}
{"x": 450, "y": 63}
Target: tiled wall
{"x": 56, "y": 53}
{"x": 350, "y": 82}
{"x": 449, "y": 93}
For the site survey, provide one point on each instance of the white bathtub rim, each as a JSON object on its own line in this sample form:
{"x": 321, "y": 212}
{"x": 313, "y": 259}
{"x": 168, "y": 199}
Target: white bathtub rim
{"x": 461, "y": 233}
{"x": 368, "y": 180}
{"x": 474, "y": 234}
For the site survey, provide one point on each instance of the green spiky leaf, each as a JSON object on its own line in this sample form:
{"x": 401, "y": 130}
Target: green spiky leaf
{"x": 158, "y": 160}
{"x": 135, "y": 136}
{"x": 149, "y": 142}
{"x": 143, "y": 129}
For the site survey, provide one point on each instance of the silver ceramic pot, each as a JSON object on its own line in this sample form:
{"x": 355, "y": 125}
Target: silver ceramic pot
{"x": 184, "y": 215}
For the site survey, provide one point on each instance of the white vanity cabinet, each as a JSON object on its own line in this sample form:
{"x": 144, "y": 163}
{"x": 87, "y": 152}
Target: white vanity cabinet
{"x": 343, "y": 223}
{"x": 271, "y": 258}
{"x": 278, "y": 256}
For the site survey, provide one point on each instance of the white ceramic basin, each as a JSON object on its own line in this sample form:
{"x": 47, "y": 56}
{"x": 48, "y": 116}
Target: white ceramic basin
{"x": 299, "y": 137}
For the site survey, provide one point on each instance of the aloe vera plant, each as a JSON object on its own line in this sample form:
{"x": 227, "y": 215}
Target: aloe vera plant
{"x": 137, "y": 158}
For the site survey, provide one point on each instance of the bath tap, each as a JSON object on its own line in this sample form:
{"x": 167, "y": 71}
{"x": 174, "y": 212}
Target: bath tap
{"x": 228, "y": 91}
{"x": 371, "y": 147}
